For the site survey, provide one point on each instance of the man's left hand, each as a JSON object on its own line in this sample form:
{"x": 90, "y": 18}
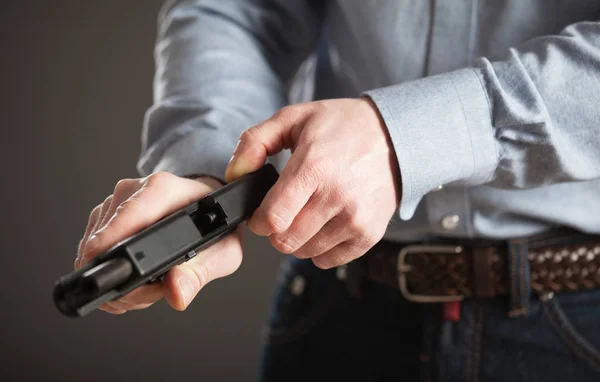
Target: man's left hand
{"x": 337, "y": 193}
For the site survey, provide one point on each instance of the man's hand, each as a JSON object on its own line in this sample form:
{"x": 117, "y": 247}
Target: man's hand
{"x": 336, "y": 195}
{"x": 138, "y": 203}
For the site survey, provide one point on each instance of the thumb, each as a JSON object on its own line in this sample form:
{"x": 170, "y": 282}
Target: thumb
{"x": 183, "y": 282}
{"x": 263, "y": 140}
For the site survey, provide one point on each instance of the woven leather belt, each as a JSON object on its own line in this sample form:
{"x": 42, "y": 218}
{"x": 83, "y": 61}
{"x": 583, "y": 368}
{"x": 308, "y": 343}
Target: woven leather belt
{"x": 452, "y": 271}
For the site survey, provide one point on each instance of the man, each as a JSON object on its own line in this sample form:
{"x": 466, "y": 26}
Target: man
{"x": 469, "y": 127}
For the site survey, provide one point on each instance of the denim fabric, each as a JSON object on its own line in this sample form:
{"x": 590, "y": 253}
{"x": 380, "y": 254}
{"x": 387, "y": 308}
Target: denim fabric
{"x": 324, "y": 334}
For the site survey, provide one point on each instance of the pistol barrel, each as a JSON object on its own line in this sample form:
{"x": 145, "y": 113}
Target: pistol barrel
{"x": 106, "y": 276}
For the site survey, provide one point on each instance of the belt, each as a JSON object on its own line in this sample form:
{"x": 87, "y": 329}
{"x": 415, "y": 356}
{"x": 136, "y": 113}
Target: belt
{"x": 450, "y": 270}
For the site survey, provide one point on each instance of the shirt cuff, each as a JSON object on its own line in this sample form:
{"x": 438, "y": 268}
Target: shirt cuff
{"x": 441, "y": 130}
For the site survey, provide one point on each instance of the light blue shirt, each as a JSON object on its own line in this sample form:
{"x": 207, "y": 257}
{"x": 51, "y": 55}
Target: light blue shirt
{"x": 493, "y": 107}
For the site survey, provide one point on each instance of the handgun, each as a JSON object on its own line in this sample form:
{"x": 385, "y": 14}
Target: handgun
{"x": 149, "y": 254}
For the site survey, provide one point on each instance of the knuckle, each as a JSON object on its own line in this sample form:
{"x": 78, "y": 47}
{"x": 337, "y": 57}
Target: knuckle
{"x": 249, "y": 134}
{"x": 314, "y": 247}
{"x": 320, "y": 107}
{"x": 124, "y": 184}
{"x": 368, "y": 238}
{"x": 372, "y": 239}
{"x": 202, "y": 275}
{"x": 355, "y": 220}
{"x": 309, "y": 136}
{"x": 367, "y": 241}
{"x": 287, "y": 113}
{"x": 249, "y": 141}
{"x": 97, "y": 238}
{"x": 338, "y": 196}
{"x": 275, "y": 222}
{"x": 374, "y": 236}
{"x": 158, "y": 178}
{"x": 130, "y": 204}
{"x": 283, "y": 243}
{"x": 322, "y": 244}
{"x": 319, "y": 168}
{"x": 246, "y": 136}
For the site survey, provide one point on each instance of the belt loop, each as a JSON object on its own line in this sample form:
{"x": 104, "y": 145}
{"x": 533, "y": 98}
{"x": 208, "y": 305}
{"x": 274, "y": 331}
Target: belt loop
{"x": 519, "y": 288}
{"x": 483, "y": 278}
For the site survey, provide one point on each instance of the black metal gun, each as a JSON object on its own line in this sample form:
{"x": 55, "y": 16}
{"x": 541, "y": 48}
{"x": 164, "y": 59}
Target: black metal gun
{"x": 147, "y": 256}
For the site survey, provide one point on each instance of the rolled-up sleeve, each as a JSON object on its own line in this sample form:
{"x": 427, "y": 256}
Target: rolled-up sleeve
{"x": 525, "y": 122}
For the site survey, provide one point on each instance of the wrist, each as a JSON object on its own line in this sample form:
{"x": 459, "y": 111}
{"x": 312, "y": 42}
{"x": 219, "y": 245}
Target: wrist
{"x": 381, "y": 126}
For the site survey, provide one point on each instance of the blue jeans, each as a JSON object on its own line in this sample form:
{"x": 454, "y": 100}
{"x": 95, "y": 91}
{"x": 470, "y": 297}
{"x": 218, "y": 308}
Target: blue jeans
{"x": 318, "y": 332}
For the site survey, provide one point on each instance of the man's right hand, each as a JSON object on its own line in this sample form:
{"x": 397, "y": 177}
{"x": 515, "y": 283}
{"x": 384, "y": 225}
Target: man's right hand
{"x": 138, "y": 203}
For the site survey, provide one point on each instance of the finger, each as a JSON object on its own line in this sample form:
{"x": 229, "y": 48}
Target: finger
{"x": 332, "y": 234}
{"x": 262, "y": 140}
{"x": 286, "y": 198}
{"x": 183, "y": 282}
{"x": 103, "y": 211}
{"x": 123, "y": 190}
{"x": 98, "y": 218}
{"x": 87, "y": 246}
{"x": 317, "y": 212}
{"x": 162, "y": 193}
{"x": 120, "y": 305}
{"x": 145, "y": 294}
{"x": 92, "y": 220}
{"x": 111, "y": 310}
{"x": 341, "y": 254}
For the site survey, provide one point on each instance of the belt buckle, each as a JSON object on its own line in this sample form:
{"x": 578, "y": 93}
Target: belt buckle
{"x": 403, "y": 268}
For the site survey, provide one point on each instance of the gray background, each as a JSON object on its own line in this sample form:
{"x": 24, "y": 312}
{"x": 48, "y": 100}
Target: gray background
{"x": 75, "y": 81}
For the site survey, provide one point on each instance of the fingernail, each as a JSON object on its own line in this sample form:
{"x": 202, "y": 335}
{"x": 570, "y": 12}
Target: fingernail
{"x": 237, "y": 167}
{"x": 186, "y": 288}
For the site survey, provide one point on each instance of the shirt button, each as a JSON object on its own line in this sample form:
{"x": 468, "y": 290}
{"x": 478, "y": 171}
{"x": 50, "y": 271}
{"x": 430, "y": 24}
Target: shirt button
{"x": 450, "y": 222}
